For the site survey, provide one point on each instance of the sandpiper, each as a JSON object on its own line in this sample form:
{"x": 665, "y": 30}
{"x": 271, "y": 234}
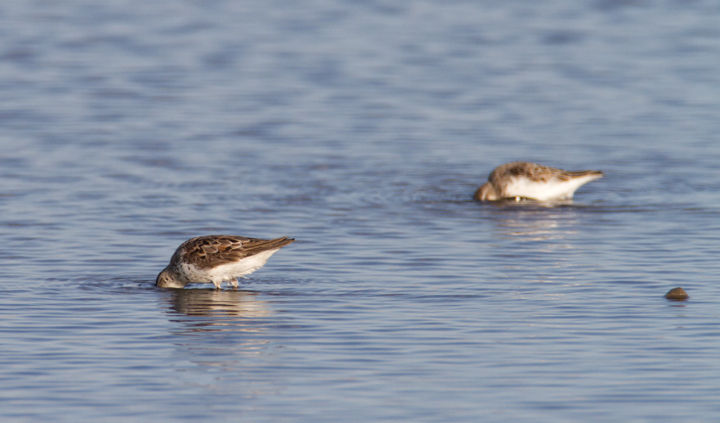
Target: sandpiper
{"x": 525, "y": 180}
{"x": 217, "y": 258}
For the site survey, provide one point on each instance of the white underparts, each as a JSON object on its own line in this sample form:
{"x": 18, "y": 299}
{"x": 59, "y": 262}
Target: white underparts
{"x": 226, "y": 272}
{"x": 553, "y": 189}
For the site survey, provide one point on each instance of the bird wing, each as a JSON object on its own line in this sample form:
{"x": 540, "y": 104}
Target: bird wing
{"x": 215, "y": 250}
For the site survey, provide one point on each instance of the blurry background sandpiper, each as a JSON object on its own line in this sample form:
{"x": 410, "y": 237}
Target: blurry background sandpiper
{"x": 525, "y": 180}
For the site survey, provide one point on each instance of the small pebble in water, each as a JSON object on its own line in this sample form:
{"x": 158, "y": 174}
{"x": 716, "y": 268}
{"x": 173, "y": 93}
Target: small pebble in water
{"x": 677, "y": 294}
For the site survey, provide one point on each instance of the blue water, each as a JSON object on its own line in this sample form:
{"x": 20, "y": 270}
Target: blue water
{"x": 361, "y": 129}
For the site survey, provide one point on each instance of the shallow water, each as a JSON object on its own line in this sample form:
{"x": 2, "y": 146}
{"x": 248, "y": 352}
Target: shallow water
{"x": 362, "y": 130}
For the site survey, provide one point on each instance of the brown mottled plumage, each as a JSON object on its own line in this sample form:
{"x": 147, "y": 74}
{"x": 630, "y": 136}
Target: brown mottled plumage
{"x": 217, "y": 258}
{"x": 533, "y": 181}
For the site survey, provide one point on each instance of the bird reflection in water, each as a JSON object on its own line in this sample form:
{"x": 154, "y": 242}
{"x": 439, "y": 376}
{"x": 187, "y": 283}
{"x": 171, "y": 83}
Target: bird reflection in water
{"x": 542, "y": 241}
{"x": 538, "y": 221}
{"x": 217, "y": 310}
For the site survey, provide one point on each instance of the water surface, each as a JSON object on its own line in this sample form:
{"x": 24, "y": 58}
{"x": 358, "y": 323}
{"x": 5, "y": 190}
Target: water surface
{"x": 361, "y": 129}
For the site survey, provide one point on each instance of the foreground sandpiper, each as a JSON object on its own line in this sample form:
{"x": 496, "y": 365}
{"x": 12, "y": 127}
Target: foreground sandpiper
{"x": 525, "y": 180}
{"x": 217, "y": 258}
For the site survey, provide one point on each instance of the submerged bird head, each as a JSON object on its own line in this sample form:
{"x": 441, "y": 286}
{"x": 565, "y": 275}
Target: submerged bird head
{"x": 166, "y": 279}
{"x": 486, "y": 192}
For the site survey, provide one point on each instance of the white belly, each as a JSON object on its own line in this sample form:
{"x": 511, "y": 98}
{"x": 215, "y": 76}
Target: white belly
{"x": 553, "y": 189}
{"x": 226, "y": 272}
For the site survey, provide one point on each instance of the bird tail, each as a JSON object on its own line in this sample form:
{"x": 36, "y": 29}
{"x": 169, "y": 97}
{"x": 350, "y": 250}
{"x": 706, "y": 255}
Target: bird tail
{"x": 260, "y": 245}
{"x": 587, "y": 175}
